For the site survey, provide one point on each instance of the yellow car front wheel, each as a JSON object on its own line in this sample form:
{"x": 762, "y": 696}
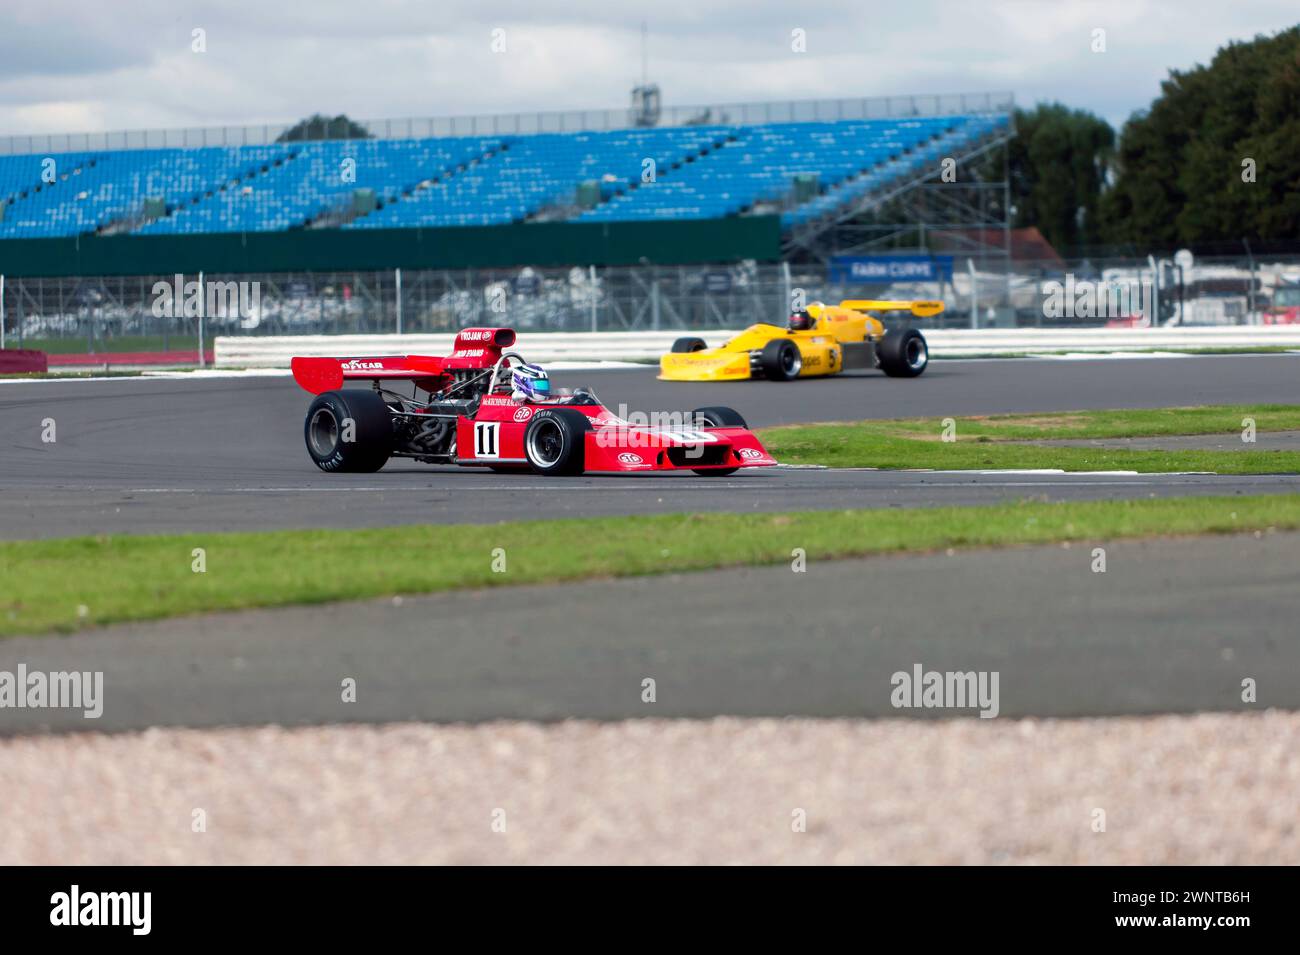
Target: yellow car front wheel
{"x": 683, "y": 346}
{"x": 781, "y": 360}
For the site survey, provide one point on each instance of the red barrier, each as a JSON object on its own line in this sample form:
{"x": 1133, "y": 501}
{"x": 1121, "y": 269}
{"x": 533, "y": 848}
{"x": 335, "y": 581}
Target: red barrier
{"x": 132, "y": 358}
{"x": 14, "y": 361}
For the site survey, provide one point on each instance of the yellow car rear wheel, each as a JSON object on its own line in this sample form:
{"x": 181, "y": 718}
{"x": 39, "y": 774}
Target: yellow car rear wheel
{"x": 903, "y": 353}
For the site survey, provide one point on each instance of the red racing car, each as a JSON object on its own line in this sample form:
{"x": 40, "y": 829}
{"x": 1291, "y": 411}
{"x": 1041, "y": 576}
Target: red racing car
{"x": 471, "y": 416}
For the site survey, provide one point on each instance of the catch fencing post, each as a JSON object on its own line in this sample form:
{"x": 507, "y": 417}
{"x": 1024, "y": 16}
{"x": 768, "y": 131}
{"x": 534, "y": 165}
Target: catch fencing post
{"x": 398, "y": 273}
{"x": 974, "y": 295}
{"x": 1250, "y": 293}
{"x": 591, "y": 284}
{"x": 1155, "y": 292}
{"x": 202, "y": 312}
{"x": 2, "y": 311}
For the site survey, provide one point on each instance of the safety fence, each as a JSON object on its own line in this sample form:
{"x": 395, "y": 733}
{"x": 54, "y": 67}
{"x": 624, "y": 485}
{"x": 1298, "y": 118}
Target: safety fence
{"x": 161, "y": 313}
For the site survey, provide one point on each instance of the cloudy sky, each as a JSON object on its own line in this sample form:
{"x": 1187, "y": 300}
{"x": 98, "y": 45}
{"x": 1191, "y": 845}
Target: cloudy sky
{"x": 94, "y": 65}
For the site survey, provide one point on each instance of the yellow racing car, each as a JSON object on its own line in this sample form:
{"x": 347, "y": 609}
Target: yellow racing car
{"x": 820, "y": 340}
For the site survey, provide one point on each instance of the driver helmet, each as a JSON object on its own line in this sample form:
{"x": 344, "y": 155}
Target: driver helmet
{"x": 529, "y": 383}
{"x": 802, "y": 321}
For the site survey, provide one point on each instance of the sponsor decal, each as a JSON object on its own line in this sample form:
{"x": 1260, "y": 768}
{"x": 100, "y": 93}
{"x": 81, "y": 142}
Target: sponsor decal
{"x": 357, "y": 364}
{"x": 751, "y": 454}
{"x": 691, "y": 360}
{"x": 627, "y": 457}
{"x": 468, "y": 353}
{"x": 477, "y": 334}
{"x": 523, "y": 414}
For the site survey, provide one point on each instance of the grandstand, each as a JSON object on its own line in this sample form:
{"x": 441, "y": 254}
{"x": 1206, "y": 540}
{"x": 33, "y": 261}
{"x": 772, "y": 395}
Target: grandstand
{"x": 812, "y": 173}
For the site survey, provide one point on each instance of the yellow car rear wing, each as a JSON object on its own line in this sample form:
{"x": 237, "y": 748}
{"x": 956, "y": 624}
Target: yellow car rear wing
{"x": 919, "y": 308}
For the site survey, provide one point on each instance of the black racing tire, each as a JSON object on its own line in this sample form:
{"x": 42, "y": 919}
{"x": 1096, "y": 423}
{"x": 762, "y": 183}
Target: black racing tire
{"x": 555, "y": 441}
{"x": 686, "y": 345}
{"x": 903, "y": 353}
{"x": 781, "y": 360}
{"x": 326, "y": 427}
{"x": 717, "y": 417}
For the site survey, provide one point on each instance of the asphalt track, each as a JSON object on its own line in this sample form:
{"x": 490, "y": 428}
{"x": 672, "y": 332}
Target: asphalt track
{"x": 137, "y": 455}
{"x": 1173, "y": 626}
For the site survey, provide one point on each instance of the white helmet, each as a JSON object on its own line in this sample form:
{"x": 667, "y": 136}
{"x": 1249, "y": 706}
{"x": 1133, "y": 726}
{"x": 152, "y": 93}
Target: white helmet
{"x": 529, "y": 383}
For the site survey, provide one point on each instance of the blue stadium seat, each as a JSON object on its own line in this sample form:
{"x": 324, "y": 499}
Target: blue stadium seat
{"x": 682, "y": 172}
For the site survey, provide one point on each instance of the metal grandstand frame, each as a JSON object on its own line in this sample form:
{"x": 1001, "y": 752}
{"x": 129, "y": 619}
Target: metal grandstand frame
{"x": 558, "y": 121}
{"x": 924, "y": 213}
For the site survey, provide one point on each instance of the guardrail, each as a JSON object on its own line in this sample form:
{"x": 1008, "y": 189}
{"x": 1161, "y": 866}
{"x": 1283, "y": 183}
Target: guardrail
{"x": 15, "y": 361}
{"x": 275, "y": 352}
{"x": 128, "y": 359}
{"x": 256, "y": 352}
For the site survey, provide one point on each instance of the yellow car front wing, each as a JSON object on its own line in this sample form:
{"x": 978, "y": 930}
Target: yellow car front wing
{"x": 712, "y": 364}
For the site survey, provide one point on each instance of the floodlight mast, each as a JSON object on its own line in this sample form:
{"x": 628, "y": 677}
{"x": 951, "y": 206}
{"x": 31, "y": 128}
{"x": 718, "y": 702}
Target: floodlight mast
{"x": 645, "y": 96}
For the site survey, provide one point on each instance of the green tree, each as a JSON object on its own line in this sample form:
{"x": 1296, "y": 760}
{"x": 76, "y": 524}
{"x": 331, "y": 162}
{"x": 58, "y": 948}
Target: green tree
{"x": 1183, "y": 166}
{"x": 1058, "y": 164}
{"x": 318, "y": 126}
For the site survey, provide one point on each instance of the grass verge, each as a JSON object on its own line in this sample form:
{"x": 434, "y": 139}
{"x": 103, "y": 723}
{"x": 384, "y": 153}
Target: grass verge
{"x": 64, "y": 585}
{"x": 998, "y": 441}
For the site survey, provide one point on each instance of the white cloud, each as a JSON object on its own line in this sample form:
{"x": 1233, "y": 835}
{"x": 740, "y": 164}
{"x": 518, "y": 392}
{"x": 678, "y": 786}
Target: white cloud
{"x": 83, "y": 65}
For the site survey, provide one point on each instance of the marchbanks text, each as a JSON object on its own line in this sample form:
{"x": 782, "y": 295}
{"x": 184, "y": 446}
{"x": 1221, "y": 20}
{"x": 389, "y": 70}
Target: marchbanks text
{"x": 57, "y": 690}
{"x": 103, "y": 908}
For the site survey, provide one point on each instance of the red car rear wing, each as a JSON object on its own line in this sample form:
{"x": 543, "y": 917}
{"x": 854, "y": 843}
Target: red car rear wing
{"x": 473, "y": 348}
{"x": 319, "y": 375}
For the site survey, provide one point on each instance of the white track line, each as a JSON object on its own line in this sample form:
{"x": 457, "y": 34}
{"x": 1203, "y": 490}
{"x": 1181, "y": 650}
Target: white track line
{"x": 1031, "y": 471}
{"x": 409, "y": 489}
{"x": 677, "y": 485}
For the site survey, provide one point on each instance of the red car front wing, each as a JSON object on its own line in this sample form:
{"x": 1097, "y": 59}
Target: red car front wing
{"x": 495, "y": 437}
